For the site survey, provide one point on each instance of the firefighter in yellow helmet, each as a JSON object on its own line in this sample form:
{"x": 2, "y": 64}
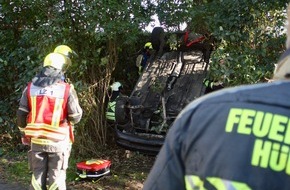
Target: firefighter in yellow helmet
{"x": 65, "y": 50}
{"x": 69, "y": 53}
{"x": 47, "y": 112}
{"x": 143, "y": 58}
{"x": 56, "y": 60}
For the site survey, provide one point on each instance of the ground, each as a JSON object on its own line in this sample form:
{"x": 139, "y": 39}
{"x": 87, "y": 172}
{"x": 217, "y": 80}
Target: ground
{"x": 128, "y": 172}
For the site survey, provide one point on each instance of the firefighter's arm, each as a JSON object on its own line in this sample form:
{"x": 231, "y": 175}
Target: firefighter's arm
{"x": 21, "y": 115}
{"x": 75, "y": 112}
{"x": 22, "y": 112}
{"x": 21, "y": 119}
{"x": 25, "y": 140}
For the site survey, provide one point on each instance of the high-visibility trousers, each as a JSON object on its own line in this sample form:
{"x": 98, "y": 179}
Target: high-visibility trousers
{"x": 48, "y": 169}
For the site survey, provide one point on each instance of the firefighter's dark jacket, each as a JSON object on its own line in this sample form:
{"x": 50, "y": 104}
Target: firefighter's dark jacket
{"x": 237, "y": 137}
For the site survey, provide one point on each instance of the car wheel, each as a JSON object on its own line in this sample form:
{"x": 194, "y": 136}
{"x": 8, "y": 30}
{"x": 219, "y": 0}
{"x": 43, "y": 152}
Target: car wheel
{"x": 121, "y": 111}
{"x": 156, "y": 35}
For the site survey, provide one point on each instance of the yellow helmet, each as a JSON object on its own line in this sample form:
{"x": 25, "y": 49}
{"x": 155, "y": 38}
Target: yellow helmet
{"x": 56, "y": 60}
{"x": 65, "y": 50}
{"x": 148, "y": 45}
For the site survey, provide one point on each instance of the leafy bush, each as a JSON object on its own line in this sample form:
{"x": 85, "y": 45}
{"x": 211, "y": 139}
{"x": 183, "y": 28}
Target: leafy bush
{"x": 107, "y": 36}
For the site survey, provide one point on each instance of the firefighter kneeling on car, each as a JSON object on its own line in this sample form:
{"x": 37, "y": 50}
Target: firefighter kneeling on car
{"x": 49, "y": 108}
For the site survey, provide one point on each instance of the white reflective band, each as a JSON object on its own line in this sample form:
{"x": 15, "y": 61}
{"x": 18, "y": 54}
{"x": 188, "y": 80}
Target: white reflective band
{"x": 23, "y": 109}
{"x": 74, "y": 115}
{"x": 58, "y": 91}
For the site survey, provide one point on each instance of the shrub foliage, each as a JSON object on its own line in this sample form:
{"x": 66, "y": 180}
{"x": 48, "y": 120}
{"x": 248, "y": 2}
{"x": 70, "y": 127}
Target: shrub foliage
{"x": 107, "y": 34}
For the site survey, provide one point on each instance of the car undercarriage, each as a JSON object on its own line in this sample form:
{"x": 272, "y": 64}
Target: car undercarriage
{"x": 164, "y": 88}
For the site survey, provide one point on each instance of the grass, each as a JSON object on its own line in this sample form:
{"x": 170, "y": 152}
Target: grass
{"x": 14, "y": 168}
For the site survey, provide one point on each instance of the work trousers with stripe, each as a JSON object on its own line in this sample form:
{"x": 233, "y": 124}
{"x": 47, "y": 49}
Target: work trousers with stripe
{"x": 48, "y": 169}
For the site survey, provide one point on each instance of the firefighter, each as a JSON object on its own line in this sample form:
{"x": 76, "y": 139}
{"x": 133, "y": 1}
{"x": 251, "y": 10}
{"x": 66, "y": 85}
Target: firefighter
{"x": 143, "y": 58}
{"x": 48, "y": 110}
{"x": 116, "y": 89}
{"x": 146, "y": 54}
{"x": 234, "y": 138}
{"x": 69, "y": 53}
{"x": 65, "y": 50}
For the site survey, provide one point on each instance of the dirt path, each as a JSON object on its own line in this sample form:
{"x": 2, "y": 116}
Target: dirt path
{"x": 6, "y": 186}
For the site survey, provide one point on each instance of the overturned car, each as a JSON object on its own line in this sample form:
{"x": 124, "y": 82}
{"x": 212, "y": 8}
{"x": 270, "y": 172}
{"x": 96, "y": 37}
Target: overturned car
{"x": 165, "y": 87}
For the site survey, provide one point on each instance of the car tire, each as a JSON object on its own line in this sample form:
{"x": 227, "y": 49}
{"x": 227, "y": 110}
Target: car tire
{"x": 121, "y": 112}
{"x": 156, "y": 34}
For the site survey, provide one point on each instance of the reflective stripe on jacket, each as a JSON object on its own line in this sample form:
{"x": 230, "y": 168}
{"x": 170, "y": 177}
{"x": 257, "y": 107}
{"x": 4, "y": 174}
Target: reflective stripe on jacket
{"x": 110, "y": 114}
{"x": 195, "y": 182}
{"x": 47, "y": 118}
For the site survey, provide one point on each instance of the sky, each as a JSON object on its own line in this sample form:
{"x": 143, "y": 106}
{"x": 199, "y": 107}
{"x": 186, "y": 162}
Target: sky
{"x": 156, "y": 23}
